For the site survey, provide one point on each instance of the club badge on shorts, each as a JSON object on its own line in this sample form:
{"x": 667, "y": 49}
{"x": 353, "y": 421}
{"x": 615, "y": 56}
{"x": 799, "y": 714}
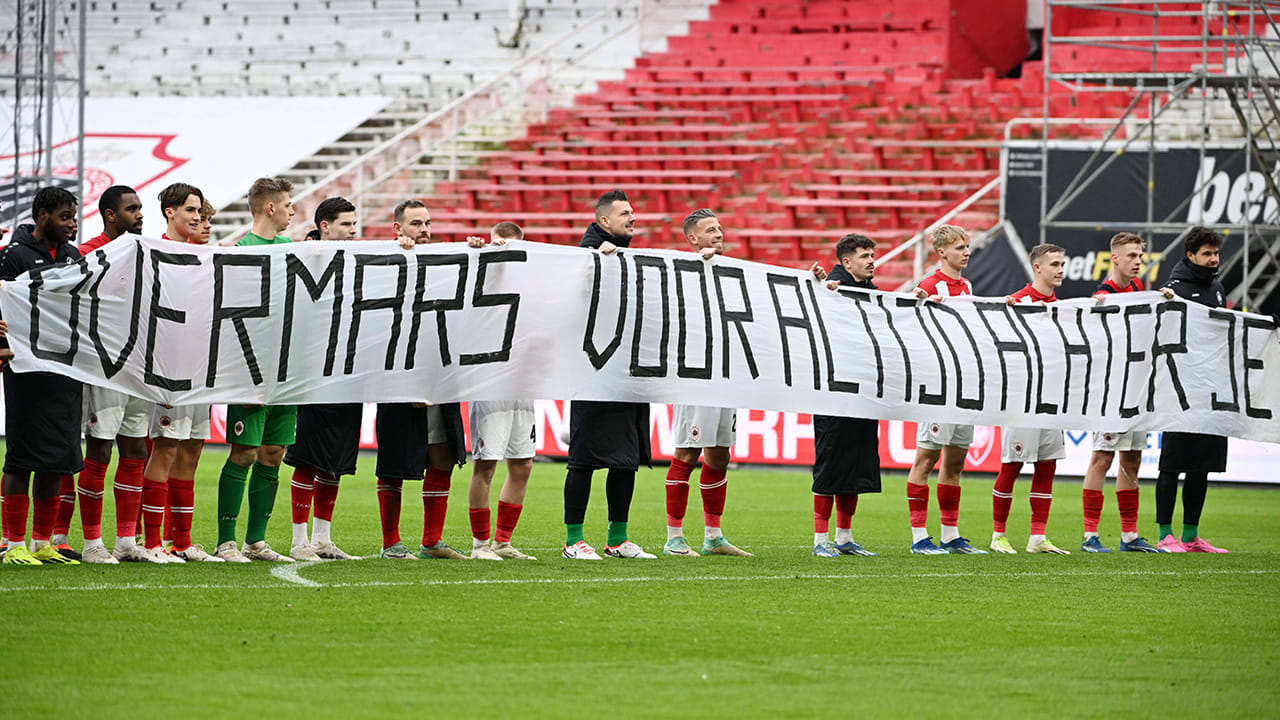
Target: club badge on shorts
{"x": 239, "y": 428}
{"x": 1017, "y": 448}
{"x": 694, "y": 433}
{"x": 165, "y": 421}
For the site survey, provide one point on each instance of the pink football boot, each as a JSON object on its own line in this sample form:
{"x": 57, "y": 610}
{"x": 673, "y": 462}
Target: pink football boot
{"x": 1169, "y": 543}
{"x": 1202, "y": 545}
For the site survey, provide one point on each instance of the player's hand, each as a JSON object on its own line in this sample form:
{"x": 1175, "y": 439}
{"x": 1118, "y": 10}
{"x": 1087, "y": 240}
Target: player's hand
{"x": 1011, "y": 301}
{"x": 833, "y": 284}
{"x": 921, "y": 293}
{"x": 475, "y": 242}
{"x": 1100, "y": 298}
{"x": 5, "y": 356}
{"x": 818, "y": 271}
{"x": 405, "y": 242}
{"x": 498, "y": 241}
{"x": 608, "y": 248}
{"x": 1167, "y": 293}
{"x": 707, "y": 253}
{"x": 418, "y": 405}
{"x": 4, "y": 329}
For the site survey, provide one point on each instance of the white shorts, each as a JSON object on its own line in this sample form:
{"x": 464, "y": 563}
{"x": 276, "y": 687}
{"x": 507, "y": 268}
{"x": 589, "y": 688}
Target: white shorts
{"x": 108, "y": 413}
{"x": 1029, "y": 445}
{"x": 695, "y": 426}
{"x": 935, "y": 436}
{"x": 185, "y": 422}
{"x": 503, "y": 430}
{"x": 1119, "y": 442}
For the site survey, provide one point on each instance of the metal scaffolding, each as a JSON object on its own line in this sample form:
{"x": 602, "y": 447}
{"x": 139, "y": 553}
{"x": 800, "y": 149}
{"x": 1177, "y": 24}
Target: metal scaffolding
{"x": 42, "y": 50}
{"x": 1233, "y": 62}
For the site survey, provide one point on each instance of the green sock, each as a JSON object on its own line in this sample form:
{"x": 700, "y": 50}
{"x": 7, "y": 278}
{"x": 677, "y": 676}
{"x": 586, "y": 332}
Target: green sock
{"x": 1190, "y": 532}
{"x": 573, "y": 534}
{"x": 230, "y": 495}
{"x": 1166, "y": 529}
{"x": 617, "y": 533}
{"x": 262, "y": 498}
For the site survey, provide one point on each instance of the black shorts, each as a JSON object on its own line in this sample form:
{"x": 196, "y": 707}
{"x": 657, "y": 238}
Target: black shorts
{"x": 328, "y": 438}
{"x": 401, "y": 430}
{"x": 42, "y": 423}
{"x": 846, "y": 455}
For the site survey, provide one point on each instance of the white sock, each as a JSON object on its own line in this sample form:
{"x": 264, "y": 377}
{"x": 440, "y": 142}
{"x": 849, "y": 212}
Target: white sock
{"x": 1092, "y": 535}
{"x": 320, "y": 531}
{"x": 1128, "y": 537}
{"x": 820, "y": 539}
{"x": 844, "y": 536}
{"x": 918, "y": 534}
{"x": 711, "y": 533}
{"x": 300, "y": 534}
{"x": 1035, "y": 540}
{"x": 949, "y": 533}
{"x": 57, "y": 540}
{"x": 675, "y": 531}
{"x": 37, "y": 544}
{"x": 96, "y": 542}
{"x": 124, "y": 543}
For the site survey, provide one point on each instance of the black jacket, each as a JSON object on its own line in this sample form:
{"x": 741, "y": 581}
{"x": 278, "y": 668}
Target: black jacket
{"x": 43, "y": 409}
{"x": 1194, "y": 452}
{"x": 846, "y": 450}
{"x": 607, "y": 434}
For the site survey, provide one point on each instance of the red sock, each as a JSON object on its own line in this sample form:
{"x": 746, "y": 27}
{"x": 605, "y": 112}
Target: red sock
{"x": 1042, "y": 494}
{"x": 127, "y": 488}
{"x": 389, "y": 510}
{"x": 153, "y": 497}
{"x": 714, "y": 486}
{"x": 435, "y": 504}
{"x": 1002, "y": 494}
{"x": 918, "y": 504}
{"x": 182, "y": 501}
{"x": 846, "y": 506}
{"x": 66, "y": 506}
{"x": 1092, "y": 500}
{"x": 167, "y": 529}
{"x": 46, "y": 514}
{"x": 301, "y": 488}
{"x": 949, "y": 504}
{"x": 326, "y": 496}
{"x": 92, "y": 486}
{"x": 15, "y": 517}
{"x": 677, "y": 492}
{"x": 822, "y": 512}
{"x": 1128, "y": 502}
{"x": 479, "y": 523}
{"x": 508, "y": 516}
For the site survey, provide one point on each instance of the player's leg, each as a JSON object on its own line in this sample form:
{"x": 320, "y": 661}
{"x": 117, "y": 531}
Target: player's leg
{"x": 45, "y": 487}
{"x": 510, "y": 504}
{"x": 302, "y": 490}
{"x": 278, "y": 432}
{"x": 822, "y": 545}
{"x": 245, "y": 426}
{"x": 399, "y": 430}
{"x": 182, "y": 494}
{"x": 713, "y": 484}
{"x": 1050, "y": 448}
{"x": 91, "y": 487}
{"x": 478, "y": 506}
{"x": 577, "y": 493}
{"x": 435, "y": 498}
{"x": 1127, "y": 498}
{"x": 155, "y": 492}
{"x": 1166, "y": 498}
{"x": 683, "y": 461}
{"x": 950, "y": 467}
{"x": 1091, "y": 497}
{"x": 1013, "y": 453}
{"x": 1194, "y": 488}
{"x": 62, "y": 522}
{"x": 619, "y": 488}
{"x": 17, "y": 504}
{"x": 918, "y": 488}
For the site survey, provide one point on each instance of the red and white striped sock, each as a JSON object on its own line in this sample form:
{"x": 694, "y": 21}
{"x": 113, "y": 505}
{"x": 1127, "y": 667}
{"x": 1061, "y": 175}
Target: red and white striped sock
{"x": 714, "y": 487}
{"x": 918, "y": 510}
{"x": 91, "y": 488}
{"x": 154, "y": 493}
{"x": 127, "y": 488}
{"x": 66, "y": 509}
{"x": 1042, "y": 494}
{"x": 677, "y": 486}
{"x": 1002, "y": 495}
{"x": 182, "y": 502}
{"x": 435, "y": 504}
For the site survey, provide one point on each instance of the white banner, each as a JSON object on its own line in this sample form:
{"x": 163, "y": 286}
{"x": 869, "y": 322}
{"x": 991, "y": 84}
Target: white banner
{"x": 345, "y": 322}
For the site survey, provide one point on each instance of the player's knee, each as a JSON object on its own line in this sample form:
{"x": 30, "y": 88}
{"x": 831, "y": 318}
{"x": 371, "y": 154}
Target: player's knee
{"x": 244, "y": 455}
{"x": 271, "y": 455}
{"x": 130, "y": 448}
{"x": 688, "y": 456}
{"x": 99, "y": 450}
{"x": 716, "y": 457}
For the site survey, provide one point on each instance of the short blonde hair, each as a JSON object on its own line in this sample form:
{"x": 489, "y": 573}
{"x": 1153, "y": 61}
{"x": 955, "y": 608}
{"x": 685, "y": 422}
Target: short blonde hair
{"x": 944, "y": 236}
{"x": 1119, "y": 240}
{"x": 207, "y": 210}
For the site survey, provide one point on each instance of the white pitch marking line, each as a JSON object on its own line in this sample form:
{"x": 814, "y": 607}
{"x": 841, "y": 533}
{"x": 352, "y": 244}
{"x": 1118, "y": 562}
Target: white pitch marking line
{"x": 289, "y": 573}
{"x": 303, "y": 582}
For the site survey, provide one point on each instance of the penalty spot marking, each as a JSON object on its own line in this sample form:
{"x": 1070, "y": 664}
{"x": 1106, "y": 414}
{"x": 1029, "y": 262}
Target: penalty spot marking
{"x": 289, "y": 575}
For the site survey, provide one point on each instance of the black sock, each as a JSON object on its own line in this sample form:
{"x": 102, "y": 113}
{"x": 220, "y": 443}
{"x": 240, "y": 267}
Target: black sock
{"x": 619, "y": 488}
{"x": 577, "y": 492}
{"x": 1166, "y": 496}
{"x": 1194, "y": 487}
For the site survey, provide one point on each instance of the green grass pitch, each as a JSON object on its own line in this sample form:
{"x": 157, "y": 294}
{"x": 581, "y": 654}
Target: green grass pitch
{"x": 781, "y": 635}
